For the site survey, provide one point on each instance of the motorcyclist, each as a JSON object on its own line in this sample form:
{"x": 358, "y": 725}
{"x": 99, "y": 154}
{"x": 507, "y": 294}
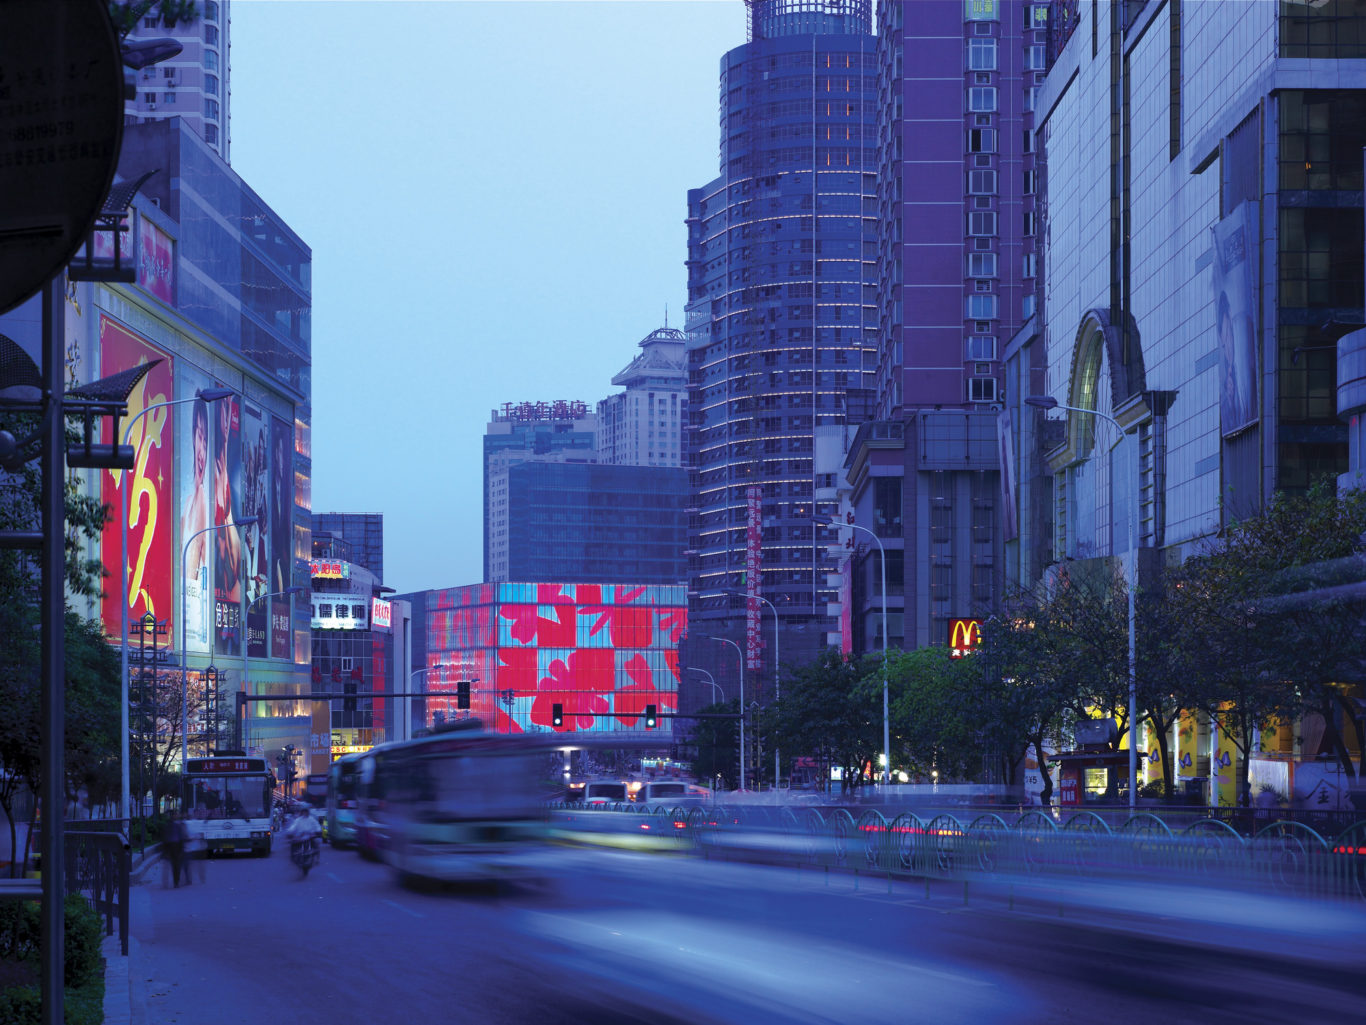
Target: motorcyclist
{"x": 304, "y": 829}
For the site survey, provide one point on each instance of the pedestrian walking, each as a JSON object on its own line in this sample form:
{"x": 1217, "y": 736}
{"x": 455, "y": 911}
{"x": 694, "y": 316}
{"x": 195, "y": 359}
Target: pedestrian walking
{"x": 173, "y": 849}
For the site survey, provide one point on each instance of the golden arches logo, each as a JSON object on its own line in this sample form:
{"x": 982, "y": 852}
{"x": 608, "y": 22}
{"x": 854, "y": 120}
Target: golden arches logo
{"x": 964, "y": 636}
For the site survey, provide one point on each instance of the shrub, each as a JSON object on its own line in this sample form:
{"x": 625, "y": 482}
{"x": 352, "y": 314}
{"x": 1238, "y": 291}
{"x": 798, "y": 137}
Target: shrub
{"x": 82, "y": 963}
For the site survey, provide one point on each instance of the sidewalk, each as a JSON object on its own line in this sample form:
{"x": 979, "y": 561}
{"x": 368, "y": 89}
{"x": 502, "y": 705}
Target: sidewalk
{"x": 118, "y": 995}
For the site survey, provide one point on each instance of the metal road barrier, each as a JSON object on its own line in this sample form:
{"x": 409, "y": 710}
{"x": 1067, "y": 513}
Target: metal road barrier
{"x": 1283, "y": 856}
{"x": 97, "y": 866}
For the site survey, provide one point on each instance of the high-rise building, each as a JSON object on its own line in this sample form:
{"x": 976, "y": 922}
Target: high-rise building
{"x": 363, "y": 534}
{"x": 956, "y": 268}
{"x": 643, "y": 425}
{"x": 519, "y": 432}
{"x": 194, "y": 85}
{"x": 597, "y": 524}
{"x": 780, "y": 318}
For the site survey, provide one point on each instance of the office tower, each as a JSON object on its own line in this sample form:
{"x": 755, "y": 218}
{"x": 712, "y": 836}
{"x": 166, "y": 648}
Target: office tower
{"x": 780, "y": 317}
{"x": 519, "y": 432}
{"x": 956, "y": 264}
{"x": 593, "y": 523}
{"x": 643, "y": 425}
{"x": 195, "y": 85}
{"x": 363, "y": 534}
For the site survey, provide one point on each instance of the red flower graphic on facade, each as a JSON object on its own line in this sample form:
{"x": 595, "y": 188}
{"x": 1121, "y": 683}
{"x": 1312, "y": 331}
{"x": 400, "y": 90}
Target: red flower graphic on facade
{"x": 504, "y": 723}
{"x": 673, "y": 622}
{"x": 671, "y": 657}
{"x": 632, "y": 699}
{"x": 517, "y": 670}
{"x": 579, "y": 684}
{"x": 557, "y": 632}
{"x": 524, "y": 619}
{"x": 631, "y": 626}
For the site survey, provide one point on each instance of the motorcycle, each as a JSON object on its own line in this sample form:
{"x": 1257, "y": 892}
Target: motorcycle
{"x": 305, "y": 853}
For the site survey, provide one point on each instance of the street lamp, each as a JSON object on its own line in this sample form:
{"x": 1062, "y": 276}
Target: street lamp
{"x": 777, "y": 676}
{"x": 407, "y": 716}
{"x": 826, "y": 521}
{"x": 207, "y": 395}
{"x": 740, "y": 655}
{"x": 716, "y": 687}
{"x": 246, "y": 689}
{"x": 1131, "y": 573}
{"x": 246, "y": 521}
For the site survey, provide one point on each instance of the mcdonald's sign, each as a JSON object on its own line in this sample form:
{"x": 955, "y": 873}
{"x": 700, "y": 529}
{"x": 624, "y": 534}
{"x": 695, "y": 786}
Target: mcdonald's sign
{"x": 964, "y": 636}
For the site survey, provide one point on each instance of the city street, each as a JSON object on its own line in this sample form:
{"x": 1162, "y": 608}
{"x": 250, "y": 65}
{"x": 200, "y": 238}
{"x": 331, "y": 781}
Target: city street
{"x": 622, "y": 937}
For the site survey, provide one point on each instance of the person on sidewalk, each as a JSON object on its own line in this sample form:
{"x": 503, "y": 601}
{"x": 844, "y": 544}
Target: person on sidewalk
{"x": 173, "y": 849}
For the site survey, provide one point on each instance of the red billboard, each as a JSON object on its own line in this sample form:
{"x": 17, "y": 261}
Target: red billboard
{"x": 150, "y": 526}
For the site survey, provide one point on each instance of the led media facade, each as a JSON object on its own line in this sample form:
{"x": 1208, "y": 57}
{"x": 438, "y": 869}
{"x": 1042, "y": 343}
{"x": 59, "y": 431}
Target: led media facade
{"x": 603, "y": 652}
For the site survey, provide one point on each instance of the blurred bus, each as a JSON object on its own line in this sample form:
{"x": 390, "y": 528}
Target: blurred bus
{"x": 343, "y": 799}
{"x": 461, "y": 803}
{"x": 227, "y": 802}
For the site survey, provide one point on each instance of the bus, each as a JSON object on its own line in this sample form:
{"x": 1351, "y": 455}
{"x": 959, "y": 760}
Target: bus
{"x": 343, "y": 799}
{"x": 458, "y": 804}
{"x": 227, "y": 800}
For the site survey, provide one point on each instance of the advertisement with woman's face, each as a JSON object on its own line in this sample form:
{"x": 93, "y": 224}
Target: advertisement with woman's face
{"x": 227, "y": 542}
{"x": 193, "y": 447}
{"x": 1234, "y": 323}
{"x": 281, "y": 516}
{"x": 255, "y": 502}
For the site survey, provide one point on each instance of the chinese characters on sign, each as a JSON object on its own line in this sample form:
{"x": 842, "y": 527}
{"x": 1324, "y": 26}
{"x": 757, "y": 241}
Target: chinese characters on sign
{"x": 329, "y": 570}
{"x": 754, "y": 557}
{"x": 560, "y": 409}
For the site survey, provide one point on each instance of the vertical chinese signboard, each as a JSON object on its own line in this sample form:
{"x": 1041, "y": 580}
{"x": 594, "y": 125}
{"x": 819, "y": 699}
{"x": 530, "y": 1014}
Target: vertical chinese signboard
{"x": 754, "y": 557}
{"x": 281, "y": 517}
{"x": 150, "y": 511}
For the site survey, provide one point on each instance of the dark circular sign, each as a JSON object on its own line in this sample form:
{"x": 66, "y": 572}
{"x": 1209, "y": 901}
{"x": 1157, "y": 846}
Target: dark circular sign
{"x": 61, "y": 125}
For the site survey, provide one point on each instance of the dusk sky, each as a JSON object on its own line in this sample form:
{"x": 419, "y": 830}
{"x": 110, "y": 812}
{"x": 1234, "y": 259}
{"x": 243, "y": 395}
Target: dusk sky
{"x": 494, "y": 193}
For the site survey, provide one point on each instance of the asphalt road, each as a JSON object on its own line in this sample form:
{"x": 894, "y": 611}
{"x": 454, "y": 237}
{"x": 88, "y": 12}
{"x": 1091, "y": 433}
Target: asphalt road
{"x": 625, "y": 937}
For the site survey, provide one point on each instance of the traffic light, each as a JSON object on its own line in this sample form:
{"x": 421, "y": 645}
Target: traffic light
{"x": 651, "y": 716}
{"x": 557, "y": 715}
{"x": 462, "y": 694}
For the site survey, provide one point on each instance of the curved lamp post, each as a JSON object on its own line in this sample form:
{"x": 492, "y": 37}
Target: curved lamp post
{"x": 206, "y": 395}
{"x": 826, "y": 521}
{"x": 716, "y": 687}
{"x": 741, "y": 656}
{"x": 246, "y": 521}
{"x": 1130, "y": 571}
{"x": 246, "y": 689}
{"x": 777, "y": 676}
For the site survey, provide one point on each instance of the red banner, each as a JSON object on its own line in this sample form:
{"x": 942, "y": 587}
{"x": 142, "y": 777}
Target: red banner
{"x": 754, "y": 560}
{"x": 150, "y": 525}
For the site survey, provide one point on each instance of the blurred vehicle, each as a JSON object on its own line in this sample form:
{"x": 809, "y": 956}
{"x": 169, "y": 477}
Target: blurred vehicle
{"x": 461, "y": 803}
{"x": 601, "y": 793}
{"x": 343, "y": 800}
{"x": 573, "y": 793}
{"x": 227, "y": 803}
{"x": 305, "y": 854}
{"x": 671, "y": 794}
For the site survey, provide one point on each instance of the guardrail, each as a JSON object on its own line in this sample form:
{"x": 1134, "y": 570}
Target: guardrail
{"x": 97, "y": 865}
{"x": 1285, "y": 855}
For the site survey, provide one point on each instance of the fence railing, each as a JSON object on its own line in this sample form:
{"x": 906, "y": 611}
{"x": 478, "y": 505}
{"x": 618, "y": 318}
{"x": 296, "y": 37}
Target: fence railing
{"x": 1283, "y": 854}
{"x": 97, "y": 865}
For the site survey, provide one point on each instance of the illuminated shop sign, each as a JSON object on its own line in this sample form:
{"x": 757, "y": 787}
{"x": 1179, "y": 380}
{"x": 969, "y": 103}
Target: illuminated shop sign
{"x": 380, "y": 614}
{"x": 329, "y": 569}
{"x": 340, "y": 612}
{"x": 964, "y": 636}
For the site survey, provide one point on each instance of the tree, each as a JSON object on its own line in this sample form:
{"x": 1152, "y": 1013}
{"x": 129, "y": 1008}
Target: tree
{"x": 126, "y": 14}
{"x": 934, "y": 715}
{"x": 715, "y": 745}
{"x": 832, "y": 709}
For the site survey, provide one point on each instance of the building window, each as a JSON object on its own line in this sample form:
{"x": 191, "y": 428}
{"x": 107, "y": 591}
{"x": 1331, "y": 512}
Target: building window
{"x": 982, "y": 389}
{"x": 1030, "y": 178}
{"x": 211, "y": 134}
{"x": 981, "y": 100}
{"x": 210, "y": 10}
{"x": 1035, "y": 57}
{"x": 211, "y": 109}
{"x": 982, "y": 183}
{"x": 1027, "y": 306}
{"x": 981, "y": 265}
{"x": 982, "y": 54}
{"x": 147, "y": 98}
{"x": 982, "y": 10}
{"x": 982, "y": 222}
{"x": 982, "y": 140}
{"x": 981, "y": 307}
{"x": 211, "y": 35}
{"x": 211, "y": 84}
{"x": 981, "y": 347}
{"x": 1030, "y": 222}
{"x": 1038, "y": 16}
{"x": 1031, "y": 265}
{"x": 210, "y": 60}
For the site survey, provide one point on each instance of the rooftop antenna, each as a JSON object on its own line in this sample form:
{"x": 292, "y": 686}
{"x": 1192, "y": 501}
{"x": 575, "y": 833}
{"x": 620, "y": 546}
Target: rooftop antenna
{"x": 666, "y": 314}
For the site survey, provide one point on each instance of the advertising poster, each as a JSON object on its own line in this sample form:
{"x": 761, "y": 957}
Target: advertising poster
{"x": 195, "y": 430}
{"x": 150, "y": 507}
{"x": 156, "y": 268}
{"x": 228, "y": 564}
{"x": 1234, "y": 309}
{"x": 1223, "y": 768}
{"x": 255, "y": 502}
{"x": 281, "y": 513}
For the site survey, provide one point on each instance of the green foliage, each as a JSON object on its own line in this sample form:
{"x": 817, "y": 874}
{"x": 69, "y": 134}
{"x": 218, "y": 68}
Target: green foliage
{"x": 832, "y": 709}
{"x": 715, "y": 744}
{"x": 82, "y": 967}
{"x": 935, "y": 719}
{"x": 126, "y": 14}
